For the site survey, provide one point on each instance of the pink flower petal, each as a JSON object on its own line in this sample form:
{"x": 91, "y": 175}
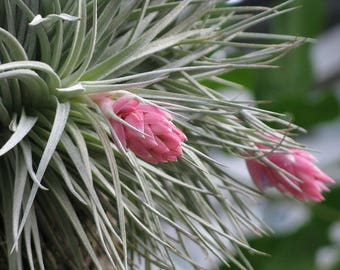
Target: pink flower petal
{"x": 162, "y": 139}
{"x": 119, "y": 129}
{"x": 299, "y": 164}
{"x": 126, "y": 104}
{"x": 136, "y": 119}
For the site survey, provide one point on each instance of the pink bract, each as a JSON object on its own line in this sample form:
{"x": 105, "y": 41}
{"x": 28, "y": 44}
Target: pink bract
{"x": 162, "y": 139}
{"x": 298, "y": 163}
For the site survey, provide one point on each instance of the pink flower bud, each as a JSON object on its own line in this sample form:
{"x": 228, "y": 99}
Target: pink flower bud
{"x": 298, "y": 163}
{"x": 162, "y": 139}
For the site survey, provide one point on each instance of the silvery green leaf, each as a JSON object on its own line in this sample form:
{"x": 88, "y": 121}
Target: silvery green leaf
{"x": 38, "y": 19}
{"x": 26, "y": 123}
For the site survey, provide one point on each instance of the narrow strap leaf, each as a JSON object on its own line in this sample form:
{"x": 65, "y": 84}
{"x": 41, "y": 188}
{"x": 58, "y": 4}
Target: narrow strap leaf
{"x": 35, "y": 65}
{"x": 59, "y": 123}
{"x": 108, "y": 66}
{"x": 26, "y": 123}
{"x": 38, "y": 19}
{"x": 18, "y": 192}
{"x": 72, "y": 215}
{"x": 27, "y": 154}
{"x": 17, "y": 51}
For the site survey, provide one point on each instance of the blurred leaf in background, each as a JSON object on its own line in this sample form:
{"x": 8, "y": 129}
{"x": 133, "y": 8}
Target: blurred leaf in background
{"x": 302, "y": 250}
{"x": 292, "y": 87}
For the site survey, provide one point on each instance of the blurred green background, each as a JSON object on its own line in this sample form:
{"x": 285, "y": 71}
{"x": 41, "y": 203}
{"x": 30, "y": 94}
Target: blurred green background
{"x": 293, "y": 88}
{"x": 312, "y": 99}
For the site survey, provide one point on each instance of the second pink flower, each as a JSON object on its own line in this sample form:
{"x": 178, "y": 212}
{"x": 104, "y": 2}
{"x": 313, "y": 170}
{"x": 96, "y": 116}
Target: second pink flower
{"x": 297, "y": 163}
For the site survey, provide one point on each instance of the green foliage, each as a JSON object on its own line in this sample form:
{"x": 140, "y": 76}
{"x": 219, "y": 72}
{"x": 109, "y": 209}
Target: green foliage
{"x": 298, "y": 250}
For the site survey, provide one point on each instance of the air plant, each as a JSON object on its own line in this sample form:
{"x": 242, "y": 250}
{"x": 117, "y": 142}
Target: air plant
{"x": 77, "y": 189}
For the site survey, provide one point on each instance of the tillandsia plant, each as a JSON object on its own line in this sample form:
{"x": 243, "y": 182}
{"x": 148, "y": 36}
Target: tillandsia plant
{"x": 106, "y": 122}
